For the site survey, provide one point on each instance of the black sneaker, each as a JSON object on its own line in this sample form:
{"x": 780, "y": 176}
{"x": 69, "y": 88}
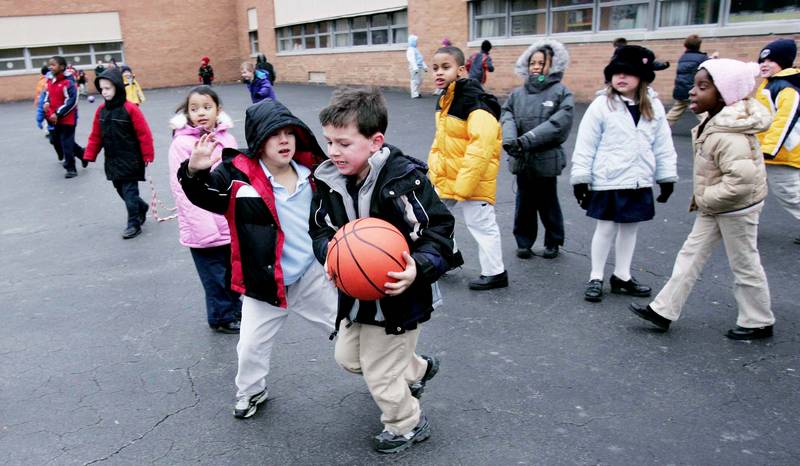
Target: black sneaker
{"x": 550, "y": 252}
{"x": 743, "y": 333}
{"x": 594, "y": 291}
{"x": 71, "y": 174}
{"x": 228, "y": 327}
{"x": 131, "y": 232}
{"x": 630, "y": 287}
{"x": 246, "y": 407}
{"x": 524, "y": 253}
{"x": 647, "y": 313}
{"x": 417, "y": 388}
{"x": 387, "y": 442}
{"x": 797, "y": 240}
{"x": 491, "y": 282}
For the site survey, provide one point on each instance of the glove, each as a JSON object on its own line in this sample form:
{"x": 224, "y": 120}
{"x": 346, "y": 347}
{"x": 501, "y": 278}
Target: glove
{"x": 582, "y": 194}
{"x": 666, "y": 191}
{"x": 512, "y": 148}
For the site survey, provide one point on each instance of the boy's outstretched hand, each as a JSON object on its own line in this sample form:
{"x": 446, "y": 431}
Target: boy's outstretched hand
{"x": 404, "y": 278}
{"x": 203, "y": 157}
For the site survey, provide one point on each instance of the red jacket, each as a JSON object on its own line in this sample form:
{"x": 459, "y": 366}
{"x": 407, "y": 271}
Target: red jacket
{"x": 62, "y": 94}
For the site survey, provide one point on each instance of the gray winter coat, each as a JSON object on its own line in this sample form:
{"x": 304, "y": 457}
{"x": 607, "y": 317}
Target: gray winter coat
{"x": 539, "y": 115}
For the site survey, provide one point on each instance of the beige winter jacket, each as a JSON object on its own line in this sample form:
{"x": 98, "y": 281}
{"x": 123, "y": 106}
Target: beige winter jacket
{"x": 729, "y": 172}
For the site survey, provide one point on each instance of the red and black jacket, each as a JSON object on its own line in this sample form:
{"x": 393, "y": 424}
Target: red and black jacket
{"x": 256, "y": 234}
{"x": 62, "y": 94}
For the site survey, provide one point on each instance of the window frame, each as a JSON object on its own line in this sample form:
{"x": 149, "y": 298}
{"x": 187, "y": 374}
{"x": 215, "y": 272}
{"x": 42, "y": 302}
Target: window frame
{"x": 31, "y": 68}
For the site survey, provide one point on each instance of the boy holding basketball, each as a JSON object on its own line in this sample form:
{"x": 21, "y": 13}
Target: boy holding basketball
{"x": 364, "y": 177}
{"x": 265, "y": 194}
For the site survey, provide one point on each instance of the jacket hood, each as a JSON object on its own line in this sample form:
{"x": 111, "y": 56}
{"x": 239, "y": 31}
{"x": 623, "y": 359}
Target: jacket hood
{"x": 266, "y": 117}
{"x": 746, "y": 116}
{"x": 115, "y": 77}
{"x": 560, "y": 57}
{"x": 180, "y": 124}
{"x": 412, "y": 40}
{"x": 475, "y": 97}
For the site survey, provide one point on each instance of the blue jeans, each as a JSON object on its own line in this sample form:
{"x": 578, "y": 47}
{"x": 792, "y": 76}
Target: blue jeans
{"x": 136, "y": 207}
{"x": 214, "y": 268}
{"x": 64, "y": 143}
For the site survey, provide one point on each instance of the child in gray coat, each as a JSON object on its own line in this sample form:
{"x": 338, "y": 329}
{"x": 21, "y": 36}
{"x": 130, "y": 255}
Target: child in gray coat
{"x": 536, "y": 120}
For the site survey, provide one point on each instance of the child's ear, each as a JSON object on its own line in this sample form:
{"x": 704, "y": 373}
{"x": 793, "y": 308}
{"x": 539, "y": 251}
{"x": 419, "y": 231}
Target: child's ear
{"x": 376, "y": 141}
{"x": 462, "y": 71}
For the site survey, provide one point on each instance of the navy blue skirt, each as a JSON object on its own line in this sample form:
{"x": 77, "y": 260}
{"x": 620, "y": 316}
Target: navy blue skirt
{"x": 622, "y": 205}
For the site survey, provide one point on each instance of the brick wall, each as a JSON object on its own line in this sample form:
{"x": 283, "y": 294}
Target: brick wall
{"x": 163, "y": 41}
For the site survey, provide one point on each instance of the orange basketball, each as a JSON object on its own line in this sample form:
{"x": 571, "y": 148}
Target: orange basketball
{"x": 360, "y": 255}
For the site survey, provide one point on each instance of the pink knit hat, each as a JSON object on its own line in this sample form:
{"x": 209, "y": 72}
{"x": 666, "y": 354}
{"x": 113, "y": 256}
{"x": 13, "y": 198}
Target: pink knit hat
{"x": 733, "y": 79}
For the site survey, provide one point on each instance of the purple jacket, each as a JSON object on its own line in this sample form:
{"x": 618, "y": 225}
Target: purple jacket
{"x": 198, "y": 228}
{"x": 260, "y": 87}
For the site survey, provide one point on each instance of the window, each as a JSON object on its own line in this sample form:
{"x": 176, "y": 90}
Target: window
{"x": 687, "y": 12}
{"x": 83, "y": 56}
{"x": 253, "y": 36}
{"x": 510, "y": 18}
{"x": 378, "y": 29}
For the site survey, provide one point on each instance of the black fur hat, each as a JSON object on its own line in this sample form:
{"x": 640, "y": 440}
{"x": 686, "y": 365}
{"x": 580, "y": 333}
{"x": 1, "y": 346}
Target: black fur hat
{"x": 633, "y": 60}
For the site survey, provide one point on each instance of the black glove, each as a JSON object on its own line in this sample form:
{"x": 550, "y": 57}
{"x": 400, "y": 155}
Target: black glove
{"x": 666, "y": 191}
{"x": 512, "y": 148}
{"x": 581, "y": 194}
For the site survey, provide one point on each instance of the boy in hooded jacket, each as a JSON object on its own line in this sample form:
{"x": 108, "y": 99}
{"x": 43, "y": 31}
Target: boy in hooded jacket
{"x": 536, "y": 120}
{"x": 684, "y": 76}
{"x": 730, "y": 184}
{"x": 120, "y": 129}
{"x": 416, "y": 66}
{"x": 365, "y": 177}
{"x": 257, "y": 82}
{"x": 265, "y": 194}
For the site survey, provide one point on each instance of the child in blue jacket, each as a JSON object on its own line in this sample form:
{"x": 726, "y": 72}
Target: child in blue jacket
{"x": 257, "y": 82}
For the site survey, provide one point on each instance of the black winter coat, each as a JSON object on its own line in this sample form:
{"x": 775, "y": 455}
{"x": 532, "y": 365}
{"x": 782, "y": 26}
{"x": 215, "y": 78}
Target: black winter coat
{"x": 684, "y": 77}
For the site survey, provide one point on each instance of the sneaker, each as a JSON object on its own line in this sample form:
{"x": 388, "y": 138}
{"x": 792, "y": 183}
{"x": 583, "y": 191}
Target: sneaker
{"x": 550, "y": 252}
{"x": 524, "y": 253}
{"x": 246, "y": 407}
{"x": 70, "y": 174}
{"x": 647, "y": 313}
{"x": 417, "y": 388}
{"x": 743, "y": 333}
{"x": 131, "y": 232}
{"x": 630, "y": 287}
{"x": 387, "y": 442}
{"x": 489, "y": 282}
{"x": 594, "y": 291}
{"x": 228, "y": 327}
{"x": 797, "y": 240}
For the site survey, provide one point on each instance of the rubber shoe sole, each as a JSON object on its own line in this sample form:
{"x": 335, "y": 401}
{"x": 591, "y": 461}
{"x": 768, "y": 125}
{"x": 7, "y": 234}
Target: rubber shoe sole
{"x": 420, "y": 435}
{"x": 255, "y": 400}
{"x": 418, "y": 388}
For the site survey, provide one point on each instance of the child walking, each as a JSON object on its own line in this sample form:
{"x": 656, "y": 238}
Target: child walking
{"x": 623, "y": 146}
{"x": 205, "y": 74}
{"x": 61, "y": 111}
{"x": 365, "y": 177}
{"x": 684, "y": 76}
{"x": 120, "y": 129}
{"x": 133, "y": 91}
{"x": 265, "y": 194}
{"x": 465, "y": 158}
{"x": 257, "y": 82}
{"x": 480, "y": 63}
{"x": 730, "y": 184}
{"x": 205, "y": 234}
{"x": 780, "y": 143}
{"x": 537, "y": 119}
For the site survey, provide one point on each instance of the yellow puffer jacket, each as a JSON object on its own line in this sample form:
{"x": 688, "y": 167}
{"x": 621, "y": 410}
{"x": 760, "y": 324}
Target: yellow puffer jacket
{"x": 133, "y": 92}
{"x": 781, "y": 142}
{"x": 465, "y": 155}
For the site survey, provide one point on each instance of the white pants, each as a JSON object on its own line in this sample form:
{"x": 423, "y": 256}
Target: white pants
{"x": 416, "y": 82}
{"x": 784, "y": 182}
{"x": 739, "y": 236}
{"x": 312, "y": 297}
{"x": 482, "y": 225}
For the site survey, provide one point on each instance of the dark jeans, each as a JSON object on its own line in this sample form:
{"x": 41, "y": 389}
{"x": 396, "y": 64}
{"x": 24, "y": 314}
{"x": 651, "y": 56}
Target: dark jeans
{"x": 137, "y": 208}
{"x": 214, "y": 267}
{"x": 56, "y": 139}
{"x": 537, "y": 195}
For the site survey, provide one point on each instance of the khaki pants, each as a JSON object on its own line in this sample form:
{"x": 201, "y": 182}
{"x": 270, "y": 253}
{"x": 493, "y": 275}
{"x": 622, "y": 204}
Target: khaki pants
{"x": 739, "y": 236}
{"x": 389, "y": 364}
{"x": 677, "y": 110}
{"x": 784, "y": 183}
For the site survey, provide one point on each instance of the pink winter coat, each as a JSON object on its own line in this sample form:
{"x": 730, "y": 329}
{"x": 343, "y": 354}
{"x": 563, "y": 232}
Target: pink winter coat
{"x": 198, "y": 228}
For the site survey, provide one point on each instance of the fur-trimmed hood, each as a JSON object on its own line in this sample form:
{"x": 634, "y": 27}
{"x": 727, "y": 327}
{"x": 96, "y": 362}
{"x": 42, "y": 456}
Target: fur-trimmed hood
{"x": 180, "y": 123}
{"x": 560, "y": 57}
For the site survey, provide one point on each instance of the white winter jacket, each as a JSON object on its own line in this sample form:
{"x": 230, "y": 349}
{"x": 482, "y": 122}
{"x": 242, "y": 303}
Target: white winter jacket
{"x": 613, "y": 153}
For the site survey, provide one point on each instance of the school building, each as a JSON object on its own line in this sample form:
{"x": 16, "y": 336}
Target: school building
{"x": 364, "y": 41}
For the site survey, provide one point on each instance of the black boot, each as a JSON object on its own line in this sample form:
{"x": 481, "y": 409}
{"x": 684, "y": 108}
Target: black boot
{"x": 630, "y": 287}
{"x": 550, "y": 252}
{"x": 742, "y": 333}
{"x": 488, "y": 283}
{"x": 594, "y": 291}
{"x": 647, "y": 313}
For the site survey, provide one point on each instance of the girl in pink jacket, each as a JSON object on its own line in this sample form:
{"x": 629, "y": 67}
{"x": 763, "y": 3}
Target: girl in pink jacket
{"x": 206, "y": 234}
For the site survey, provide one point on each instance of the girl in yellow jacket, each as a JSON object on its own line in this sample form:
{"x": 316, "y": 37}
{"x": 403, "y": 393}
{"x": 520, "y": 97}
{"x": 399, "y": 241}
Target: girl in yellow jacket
{"x": 465, "y": 158}
{"x": 780, "y": 93}
{"x": 133, "y": 91}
